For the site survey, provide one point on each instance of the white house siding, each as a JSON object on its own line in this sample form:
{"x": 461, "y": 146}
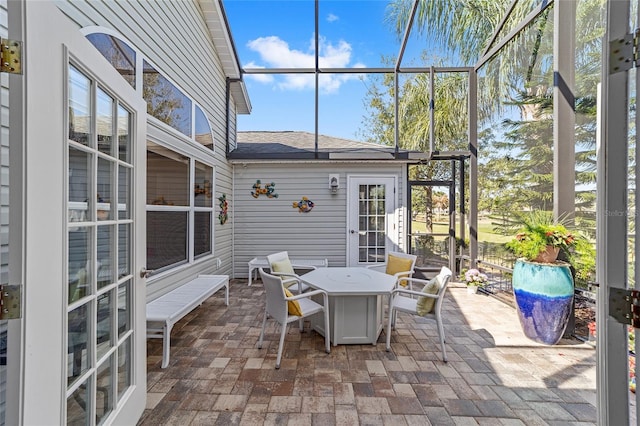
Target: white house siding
{"x": 173, "y": 36}
{"x": 267, "y": 225}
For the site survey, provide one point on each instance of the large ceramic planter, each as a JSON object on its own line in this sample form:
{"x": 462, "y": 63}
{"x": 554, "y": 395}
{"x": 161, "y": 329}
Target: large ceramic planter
{"x": 544, "y": 298}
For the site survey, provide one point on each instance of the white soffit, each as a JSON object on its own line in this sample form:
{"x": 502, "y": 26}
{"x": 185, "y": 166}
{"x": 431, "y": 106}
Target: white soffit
{"x": 223, "y": 42}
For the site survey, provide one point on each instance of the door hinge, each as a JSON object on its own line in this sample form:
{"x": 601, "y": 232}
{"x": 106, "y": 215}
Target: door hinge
{"x": 624, "y": 306}
{"x": 623, "y": 53}
{"x": 11, "y": 56}
{"x": 10, "y": 301}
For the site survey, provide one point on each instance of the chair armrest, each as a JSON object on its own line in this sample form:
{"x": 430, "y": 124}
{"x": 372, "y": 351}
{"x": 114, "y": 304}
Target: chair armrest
{"x": 307, "y": 294}
{"x": 286, "y": 275}
{"x": 377, "y": 266}
{"x": 399, "y": 274}
{"x": 413, "y": 280}
{"x": 413, "y": 292}
{"x": 325, "y": 297}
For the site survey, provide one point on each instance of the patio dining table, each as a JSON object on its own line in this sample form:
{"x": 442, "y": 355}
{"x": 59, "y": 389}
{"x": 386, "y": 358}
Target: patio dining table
{"x": 356, "y": 308}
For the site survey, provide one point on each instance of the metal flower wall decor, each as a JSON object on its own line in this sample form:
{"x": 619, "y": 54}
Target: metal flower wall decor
{"x": 224, "y": 207}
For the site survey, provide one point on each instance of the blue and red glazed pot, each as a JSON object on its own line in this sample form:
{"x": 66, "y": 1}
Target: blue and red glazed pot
{"x": 544, "y": 299}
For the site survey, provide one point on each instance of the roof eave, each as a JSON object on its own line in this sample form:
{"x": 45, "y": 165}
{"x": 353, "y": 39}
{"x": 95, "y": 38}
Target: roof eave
{"x": 216, "y": 20}
{"x": 378, "y": 157}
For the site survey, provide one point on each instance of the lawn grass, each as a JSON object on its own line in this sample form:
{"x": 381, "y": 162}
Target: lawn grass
{"x": 485, "y": 230}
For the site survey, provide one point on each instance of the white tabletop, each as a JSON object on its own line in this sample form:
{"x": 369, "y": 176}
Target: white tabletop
{"x": 348, "y": 281}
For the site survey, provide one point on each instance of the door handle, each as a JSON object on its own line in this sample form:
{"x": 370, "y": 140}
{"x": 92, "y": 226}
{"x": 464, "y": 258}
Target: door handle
{"x": 353, "y": 232}
{"x": 145, "y": 273}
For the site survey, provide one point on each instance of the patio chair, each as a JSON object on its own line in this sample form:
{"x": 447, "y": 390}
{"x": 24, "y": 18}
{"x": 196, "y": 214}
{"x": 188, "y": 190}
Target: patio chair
{"x": 427, "y": 305}
{"x": 280, "y": 266}
{"x": 285, "y": 309}
{"x": 398, "y": 264}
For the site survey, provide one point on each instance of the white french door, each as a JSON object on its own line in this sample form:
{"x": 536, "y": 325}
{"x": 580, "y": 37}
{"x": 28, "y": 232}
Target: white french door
{"x": 372, "y": 219}
{"x": 82, "y": 237}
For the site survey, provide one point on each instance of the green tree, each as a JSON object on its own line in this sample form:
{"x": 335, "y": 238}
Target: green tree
{"x": 516, "y": 150}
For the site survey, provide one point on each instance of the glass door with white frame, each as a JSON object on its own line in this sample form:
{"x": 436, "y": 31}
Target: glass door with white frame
{"x": 372, "y": 221}
{"x": 83, "y": 327}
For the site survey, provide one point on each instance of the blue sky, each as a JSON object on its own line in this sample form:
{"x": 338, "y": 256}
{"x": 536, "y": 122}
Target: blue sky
{"x": 280, "y": 34}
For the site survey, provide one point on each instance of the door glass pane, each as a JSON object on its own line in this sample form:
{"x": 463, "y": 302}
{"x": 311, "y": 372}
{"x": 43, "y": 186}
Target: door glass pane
{"x": 80, "y": 264}
{"x": 104, "y": 185}
{"x": 124, "y": 367}
{"x": 124, "y": 134}
{"x": 124, "y": 253}
{"x": 106, "y": 259}
{"x": 202, "y": 233}
{"x": 78, "y": 335}
{"x": 79, "y": 195}
{"x": 202, "y": 185}
{"x": 124, "y": 308}
{"x": 124, "y": 192}
{"x": 372, "y": 223}
{"x": 104, "y": 320}
{"x": 79, "y": 107}
{"x": 77, "y": 405}
{"x": 104, "y": 387}
{"x": 104, "y": 118}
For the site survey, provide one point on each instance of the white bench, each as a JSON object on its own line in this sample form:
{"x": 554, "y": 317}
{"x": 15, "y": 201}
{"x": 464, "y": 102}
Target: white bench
{"x": 171, "y": 307}
{"x": 261, "y": 262}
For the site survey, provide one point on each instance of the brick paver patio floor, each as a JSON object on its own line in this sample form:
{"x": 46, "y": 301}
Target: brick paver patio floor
{"x": 495, "y": 375}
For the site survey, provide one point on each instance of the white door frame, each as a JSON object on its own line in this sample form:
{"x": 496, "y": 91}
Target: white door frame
{"x": 38, "y": 141}
{"x": 392, "y": 216}
{"x": 612, "y": 267}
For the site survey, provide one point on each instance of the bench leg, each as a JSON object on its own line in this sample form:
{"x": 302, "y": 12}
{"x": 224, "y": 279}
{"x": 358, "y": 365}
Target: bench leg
{"x": 166, "y": 344}
{"x": 251, "y": 270}
{"x": 226, "y": 296}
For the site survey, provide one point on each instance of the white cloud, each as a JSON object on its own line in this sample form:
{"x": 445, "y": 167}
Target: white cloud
{"x": 332, "y": 18}
{"x": 260, "y": 78}
{"x": 276, "y": 53}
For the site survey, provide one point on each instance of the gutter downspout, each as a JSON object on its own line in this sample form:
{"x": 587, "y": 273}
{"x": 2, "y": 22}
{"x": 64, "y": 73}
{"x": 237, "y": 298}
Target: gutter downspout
{"x": 227, "y": 102}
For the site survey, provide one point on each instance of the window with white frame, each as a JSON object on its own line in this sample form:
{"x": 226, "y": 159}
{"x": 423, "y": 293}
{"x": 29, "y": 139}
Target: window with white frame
{"x": 179, "y": 186}
{"x": 179, "y": 208}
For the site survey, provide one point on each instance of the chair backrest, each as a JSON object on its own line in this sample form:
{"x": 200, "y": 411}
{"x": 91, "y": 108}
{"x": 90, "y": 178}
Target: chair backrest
{"x": 280, "y": 262}
{"x": 391, "y": 268}
{"x": 276, "y": 303}
{"x": 443, "y": 278}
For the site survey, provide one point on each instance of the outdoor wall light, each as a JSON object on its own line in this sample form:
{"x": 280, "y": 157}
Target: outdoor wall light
{"x": 334, "y": 183}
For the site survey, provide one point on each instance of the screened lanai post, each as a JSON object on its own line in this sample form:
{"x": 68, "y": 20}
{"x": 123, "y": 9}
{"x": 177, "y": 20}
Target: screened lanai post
{"x": 403, "y": 46}
{"x": 611, "y": 226}
{"x": 432, "y": 112}
{"x": 396, "y": 113}
{"x": 316, "y": 74}
{"x": 453, "y": 247}
{"x": 473, "y": 168}
{"x": 463, "y": 219}
{"x": 564, "y": 117}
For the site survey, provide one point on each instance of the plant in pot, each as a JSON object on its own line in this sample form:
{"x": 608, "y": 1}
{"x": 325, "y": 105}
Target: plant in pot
{"x": 543, "y": 286}
{"x": 474, "y": 279}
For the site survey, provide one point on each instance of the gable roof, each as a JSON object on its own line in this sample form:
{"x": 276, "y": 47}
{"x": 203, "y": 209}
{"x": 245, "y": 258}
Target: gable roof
{"x": 296, "y": 145}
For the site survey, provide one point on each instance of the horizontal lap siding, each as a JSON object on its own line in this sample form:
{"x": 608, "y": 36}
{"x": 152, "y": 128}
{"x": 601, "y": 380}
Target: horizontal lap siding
{"x": 173, "y": 36}
{"x": 267, "y": 225}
